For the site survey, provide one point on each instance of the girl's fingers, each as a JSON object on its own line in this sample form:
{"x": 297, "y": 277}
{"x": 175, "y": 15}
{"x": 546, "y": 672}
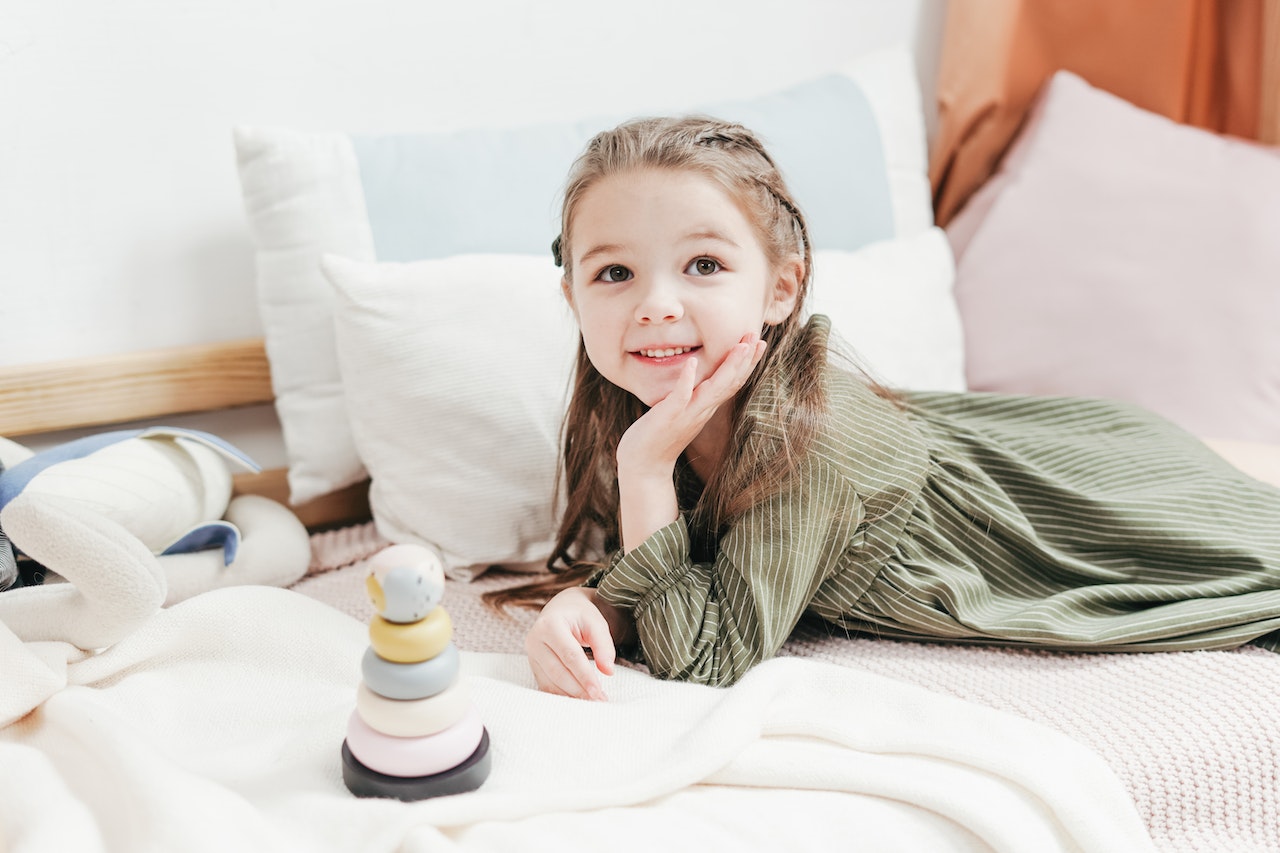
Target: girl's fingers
{"x": 577, "y": 667}
{"x": 732, "y": 373}
{"x": 570, "y": 623}
{"x": 688, "y": 379}
{"x": 553, "y": 678}
{"x": 595, "y": 636}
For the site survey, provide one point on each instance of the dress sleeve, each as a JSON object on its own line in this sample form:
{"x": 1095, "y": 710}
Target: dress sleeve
{"x": 711, "y": 622}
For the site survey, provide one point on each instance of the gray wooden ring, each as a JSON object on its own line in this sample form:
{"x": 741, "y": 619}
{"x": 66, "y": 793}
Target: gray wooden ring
{"x": 410, "y": 680}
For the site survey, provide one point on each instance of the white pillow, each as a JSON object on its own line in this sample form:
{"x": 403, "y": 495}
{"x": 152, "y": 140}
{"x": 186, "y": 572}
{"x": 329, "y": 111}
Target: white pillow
{"x": 436, "y": 195}
{"x": 303, "y": 195}
{"x": 457, "y": 374}
{"x": 893, "y": 303}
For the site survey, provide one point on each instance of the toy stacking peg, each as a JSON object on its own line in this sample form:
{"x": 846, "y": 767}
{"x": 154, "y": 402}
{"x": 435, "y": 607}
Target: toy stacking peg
{"x": 414, "y": 733}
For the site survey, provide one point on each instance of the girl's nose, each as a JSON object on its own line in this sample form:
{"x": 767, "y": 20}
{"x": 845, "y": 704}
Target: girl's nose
{"x": 659, "y": 304}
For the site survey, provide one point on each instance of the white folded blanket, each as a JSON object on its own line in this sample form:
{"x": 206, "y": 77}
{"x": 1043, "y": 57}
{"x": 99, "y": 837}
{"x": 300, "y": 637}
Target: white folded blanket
{"x": 217, "y": 726}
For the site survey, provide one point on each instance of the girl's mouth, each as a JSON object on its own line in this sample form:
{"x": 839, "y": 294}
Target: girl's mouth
{"x": 663, "y": 355}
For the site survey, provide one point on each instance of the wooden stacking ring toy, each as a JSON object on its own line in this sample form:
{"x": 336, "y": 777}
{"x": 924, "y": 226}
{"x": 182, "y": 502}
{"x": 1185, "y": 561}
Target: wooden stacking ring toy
{"x": 414, "y": 733}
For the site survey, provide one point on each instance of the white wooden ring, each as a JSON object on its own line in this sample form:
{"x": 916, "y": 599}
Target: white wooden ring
{"x": 413, "y": 717}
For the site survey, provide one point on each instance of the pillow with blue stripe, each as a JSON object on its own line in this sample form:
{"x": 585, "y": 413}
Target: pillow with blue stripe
{"x": 851, "y": 145}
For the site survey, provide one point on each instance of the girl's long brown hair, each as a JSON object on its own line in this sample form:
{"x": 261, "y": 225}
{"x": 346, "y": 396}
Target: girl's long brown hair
{"x": 600, "y": 412}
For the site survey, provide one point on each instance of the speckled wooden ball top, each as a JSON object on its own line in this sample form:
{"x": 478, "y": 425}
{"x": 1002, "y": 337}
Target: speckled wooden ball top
{"x": 405, "y": 582}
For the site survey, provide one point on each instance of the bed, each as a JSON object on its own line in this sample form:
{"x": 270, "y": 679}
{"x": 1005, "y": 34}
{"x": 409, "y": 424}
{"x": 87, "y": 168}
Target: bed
{"x": 217, "y": 723}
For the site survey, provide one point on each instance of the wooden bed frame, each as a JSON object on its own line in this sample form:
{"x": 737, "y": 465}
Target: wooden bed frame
{"x": 102, "y": 391}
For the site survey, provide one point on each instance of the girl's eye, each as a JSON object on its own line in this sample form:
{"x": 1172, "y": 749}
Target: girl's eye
{"x": 617, "y": 272}
{"x": 703, "y": 266}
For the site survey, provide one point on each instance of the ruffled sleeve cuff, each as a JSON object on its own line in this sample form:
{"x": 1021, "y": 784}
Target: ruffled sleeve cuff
{"x": 593, "y": 580}
{"x": 633, "y": 579}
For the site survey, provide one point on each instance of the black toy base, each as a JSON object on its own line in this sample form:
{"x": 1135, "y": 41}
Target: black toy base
{"x": 466, "y": 776}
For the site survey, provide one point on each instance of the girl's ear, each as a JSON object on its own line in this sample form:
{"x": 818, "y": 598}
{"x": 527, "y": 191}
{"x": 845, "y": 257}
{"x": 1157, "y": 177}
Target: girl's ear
{"x": 786, "y": 291}
{"x": 567, "y": 290}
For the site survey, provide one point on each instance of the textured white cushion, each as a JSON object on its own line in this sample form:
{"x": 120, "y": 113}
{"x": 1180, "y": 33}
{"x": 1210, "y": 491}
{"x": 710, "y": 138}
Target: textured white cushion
{"x": 893, "y": 304}
{"x": 457, "y": 373}
{"x": 306, "y": 194}
{"x": 303, "y": 197}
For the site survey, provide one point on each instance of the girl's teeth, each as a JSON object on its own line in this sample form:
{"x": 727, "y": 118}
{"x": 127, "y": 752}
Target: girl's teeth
{"x": 666, "y": 353}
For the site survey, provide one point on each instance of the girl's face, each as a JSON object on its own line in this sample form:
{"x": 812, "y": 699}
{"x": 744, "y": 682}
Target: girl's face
{"x": 667, "y": 267}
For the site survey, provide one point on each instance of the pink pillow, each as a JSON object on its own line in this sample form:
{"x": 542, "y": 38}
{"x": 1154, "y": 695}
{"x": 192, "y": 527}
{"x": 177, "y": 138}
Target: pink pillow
{"x": 1119, "y": 254}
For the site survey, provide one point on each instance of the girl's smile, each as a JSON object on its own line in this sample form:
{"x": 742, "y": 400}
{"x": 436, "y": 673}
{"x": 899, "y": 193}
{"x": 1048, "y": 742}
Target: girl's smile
{"x": 665, "y": 354}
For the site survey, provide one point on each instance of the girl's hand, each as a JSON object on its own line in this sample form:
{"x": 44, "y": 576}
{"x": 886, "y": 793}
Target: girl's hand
{"x": 657, "y": 438}
{"x": 567, "y": 623}
{"x": 649, "y": 448}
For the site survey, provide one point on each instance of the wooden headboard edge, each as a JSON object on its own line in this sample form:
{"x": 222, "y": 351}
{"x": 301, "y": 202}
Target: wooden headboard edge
{"x": 113, "y": 389}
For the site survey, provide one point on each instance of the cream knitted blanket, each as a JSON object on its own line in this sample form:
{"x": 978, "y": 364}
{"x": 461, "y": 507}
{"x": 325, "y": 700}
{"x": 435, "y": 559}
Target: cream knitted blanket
{"x": 1194, "y": 737}
{"x": 217, "y": 726}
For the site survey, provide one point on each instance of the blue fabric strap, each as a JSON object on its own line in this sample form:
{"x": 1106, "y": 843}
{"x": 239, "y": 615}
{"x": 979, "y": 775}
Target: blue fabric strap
{"x": 215, "y": 534}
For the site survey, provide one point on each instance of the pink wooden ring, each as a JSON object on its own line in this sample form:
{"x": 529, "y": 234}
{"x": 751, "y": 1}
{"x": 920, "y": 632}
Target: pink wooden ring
{"x": 414, "y": 756}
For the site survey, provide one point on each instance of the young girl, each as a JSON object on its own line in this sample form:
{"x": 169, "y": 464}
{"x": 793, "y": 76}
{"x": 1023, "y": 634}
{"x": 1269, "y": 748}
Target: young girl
{"x": 724, "y": 476}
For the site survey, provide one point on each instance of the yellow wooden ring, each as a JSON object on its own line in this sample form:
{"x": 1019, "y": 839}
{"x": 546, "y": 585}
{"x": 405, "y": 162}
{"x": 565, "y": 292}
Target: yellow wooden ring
{"x": 411, "y": 642}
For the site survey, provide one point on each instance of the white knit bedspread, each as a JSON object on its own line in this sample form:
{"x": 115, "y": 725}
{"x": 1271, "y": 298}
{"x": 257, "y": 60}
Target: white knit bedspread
{"x": 218, "y": 724}
{"x": 1194, "y": 737}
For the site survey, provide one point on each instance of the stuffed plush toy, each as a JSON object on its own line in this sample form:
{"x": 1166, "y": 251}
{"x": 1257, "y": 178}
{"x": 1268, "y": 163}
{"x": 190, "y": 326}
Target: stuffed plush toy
{"x": 127, "y": 522}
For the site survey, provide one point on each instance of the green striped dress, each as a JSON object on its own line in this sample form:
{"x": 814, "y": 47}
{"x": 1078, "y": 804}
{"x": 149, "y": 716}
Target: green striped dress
{"x": 1065, "y": 523}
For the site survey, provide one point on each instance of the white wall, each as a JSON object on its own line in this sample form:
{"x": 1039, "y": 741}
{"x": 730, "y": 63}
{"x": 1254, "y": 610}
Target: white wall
{"x": 120, "y": 219}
